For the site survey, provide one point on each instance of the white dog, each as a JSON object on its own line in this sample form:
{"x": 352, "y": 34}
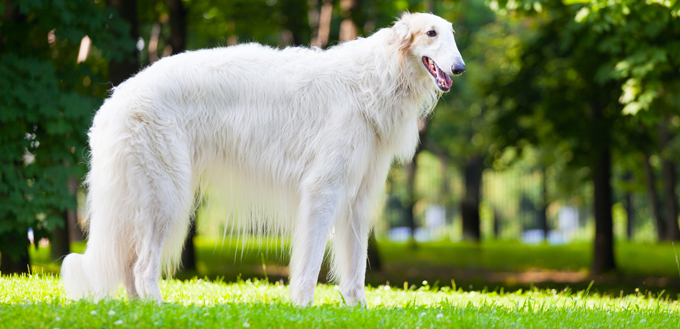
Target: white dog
{"x": 296, "y": 141}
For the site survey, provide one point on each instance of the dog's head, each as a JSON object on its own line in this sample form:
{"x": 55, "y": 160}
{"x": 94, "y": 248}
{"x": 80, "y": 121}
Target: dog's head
{"x": 429, "y": 39}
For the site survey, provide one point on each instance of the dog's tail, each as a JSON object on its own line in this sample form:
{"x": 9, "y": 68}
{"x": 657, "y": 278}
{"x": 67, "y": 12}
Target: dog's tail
{"x": 111, "y": 240}
{"x": 81, "y": 279}
{"x": 94, "y": 274}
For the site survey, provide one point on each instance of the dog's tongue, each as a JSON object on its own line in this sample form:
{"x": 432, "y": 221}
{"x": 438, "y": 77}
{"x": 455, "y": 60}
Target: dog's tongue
{"x": 444, "y": 78}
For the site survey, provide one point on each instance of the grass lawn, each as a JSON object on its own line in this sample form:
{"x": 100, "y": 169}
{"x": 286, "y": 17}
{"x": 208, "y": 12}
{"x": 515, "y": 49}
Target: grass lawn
{"x": 492, "y": 264}
{"x": 37, "y": 301}
{"x": 514, "y": 265}
{"x": 644, "y": 259}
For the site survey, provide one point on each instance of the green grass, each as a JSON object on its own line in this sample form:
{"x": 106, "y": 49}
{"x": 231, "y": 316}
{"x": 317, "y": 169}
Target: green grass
{"x": 633, "y": 258}
{"x": 649, "y": 267}
{"x": 37, "y": 301}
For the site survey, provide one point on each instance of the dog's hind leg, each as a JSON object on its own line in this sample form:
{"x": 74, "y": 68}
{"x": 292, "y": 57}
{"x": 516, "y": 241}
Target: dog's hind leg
{"x": 148, "y": 267}
{"x": 319, "y": 207}
{"x": 163, "y": 181}
{"x": 166, "y": 214}
{"x": 129, "y": 280}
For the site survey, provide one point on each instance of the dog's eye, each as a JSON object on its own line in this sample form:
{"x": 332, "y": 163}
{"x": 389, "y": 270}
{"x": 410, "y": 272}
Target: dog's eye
{"x": 431, "y": 33}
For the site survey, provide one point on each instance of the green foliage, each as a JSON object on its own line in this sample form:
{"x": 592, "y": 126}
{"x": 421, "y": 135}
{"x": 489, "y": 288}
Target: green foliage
{"x": 458, "y": 122}
{"x": 625, "y": 55}
{"x": 572, "y": 58}
{"x": 38, "y": 301}
{"x": 551, "y": 96}
{"x": 47, "y": 100}
{"x": 213, "y": 22}
{"x": 642, "y": 40}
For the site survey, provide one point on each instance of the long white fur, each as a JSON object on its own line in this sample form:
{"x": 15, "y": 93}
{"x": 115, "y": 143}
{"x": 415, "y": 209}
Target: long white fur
{"x": 294, "y": 141}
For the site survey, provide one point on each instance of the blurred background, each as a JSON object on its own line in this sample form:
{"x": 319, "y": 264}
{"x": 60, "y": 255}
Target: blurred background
{"x": 551, "y": 163}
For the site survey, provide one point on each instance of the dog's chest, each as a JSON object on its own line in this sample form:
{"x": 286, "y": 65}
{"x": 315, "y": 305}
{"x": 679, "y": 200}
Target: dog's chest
{"x": 401, "y": 139}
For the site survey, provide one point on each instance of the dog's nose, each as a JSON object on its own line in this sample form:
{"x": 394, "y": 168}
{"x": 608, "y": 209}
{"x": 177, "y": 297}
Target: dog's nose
{"x": 458, "y": 69}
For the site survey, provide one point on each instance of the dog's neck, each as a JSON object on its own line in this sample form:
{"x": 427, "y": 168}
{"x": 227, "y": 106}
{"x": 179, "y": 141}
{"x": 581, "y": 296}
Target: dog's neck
{"x": 395, "y": 93}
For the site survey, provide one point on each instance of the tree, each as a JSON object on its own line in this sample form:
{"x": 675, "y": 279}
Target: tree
{"x": 42, "y": 142}
{"x": 469, "y": 207}
{"x": 63, "y": 235}
{"x": 296, "y": 22}
{"x": 588, "y": 64}
{"x": 669, "y": 184}
{"x": 178, "y": 26}
{"x": 456, "y": 129}
{"x": 640, "y": 39}
{"x": 543, "y": 212}
{"x": 122, "y": 68}
{"x": 630, "y": 208}
{"x": 653, "y": 196}
{"x": 213, "y": 23}
{"x": 411, "y": 197}
{"x": 559, "y": 94}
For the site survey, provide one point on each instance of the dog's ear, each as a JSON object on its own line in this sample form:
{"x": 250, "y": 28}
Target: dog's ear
{"x": 402, "y": 35}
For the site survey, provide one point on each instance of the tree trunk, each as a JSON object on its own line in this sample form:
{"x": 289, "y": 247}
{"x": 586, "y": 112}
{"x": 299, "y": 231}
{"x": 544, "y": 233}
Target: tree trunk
{"x": 348, "y": 28}
{"x": 630, "y": 216}
{"x": 324, "y": 31}
{"x": 373, "y": 259}
{"x": 669, "y": 181}
{"x": 178, "y": 26}
{"x": 75, "y": 229}
{"x": 650, "y": 179}
{"x": 543, "y": 213}
{"x": 295, "y": 11}
{"x": 410, "y": 181}
{"x": 630, "y": 211}
{"x": 59, "y": 244}
{"x": 313, "y": 19}
{"x": 603, "y": 258}
{"x": 8, "y": 265}
{"x": 470, "y": 204}
{"x": 121, "y": 71}
{"x": 496, "y": 224}
{"x": 189, "y": 251}
{"x": 445, "y": 189}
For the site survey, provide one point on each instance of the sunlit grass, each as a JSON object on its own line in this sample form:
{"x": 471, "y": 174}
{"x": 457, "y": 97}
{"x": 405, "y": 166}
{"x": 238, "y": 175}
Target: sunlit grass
{"x": 38, "y": 301}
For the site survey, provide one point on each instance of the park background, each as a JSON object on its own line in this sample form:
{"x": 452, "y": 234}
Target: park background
{"x": 552, "y": 162}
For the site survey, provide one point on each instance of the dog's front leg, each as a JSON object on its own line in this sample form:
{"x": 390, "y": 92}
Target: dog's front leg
{"x": 350, "y": 243}
{"x": 319, "y": 207}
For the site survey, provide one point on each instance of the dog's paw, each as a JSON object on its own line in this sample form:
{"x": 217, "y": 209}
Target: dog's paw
{"x": 354, "y": 296}
{"x": 302, "y": 294}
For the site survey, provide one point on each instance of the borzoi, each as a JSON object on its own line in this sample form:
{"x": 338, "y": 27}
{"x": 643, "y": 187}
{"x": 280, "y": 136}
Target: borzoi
{"x": 296, "y": 141}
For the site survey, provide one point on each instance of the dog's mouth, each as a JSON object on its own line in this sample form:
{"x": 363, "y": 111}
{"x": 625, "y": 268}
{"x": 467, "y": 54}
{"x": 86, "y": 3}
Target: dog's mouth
{"x": 440, "y": 77}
